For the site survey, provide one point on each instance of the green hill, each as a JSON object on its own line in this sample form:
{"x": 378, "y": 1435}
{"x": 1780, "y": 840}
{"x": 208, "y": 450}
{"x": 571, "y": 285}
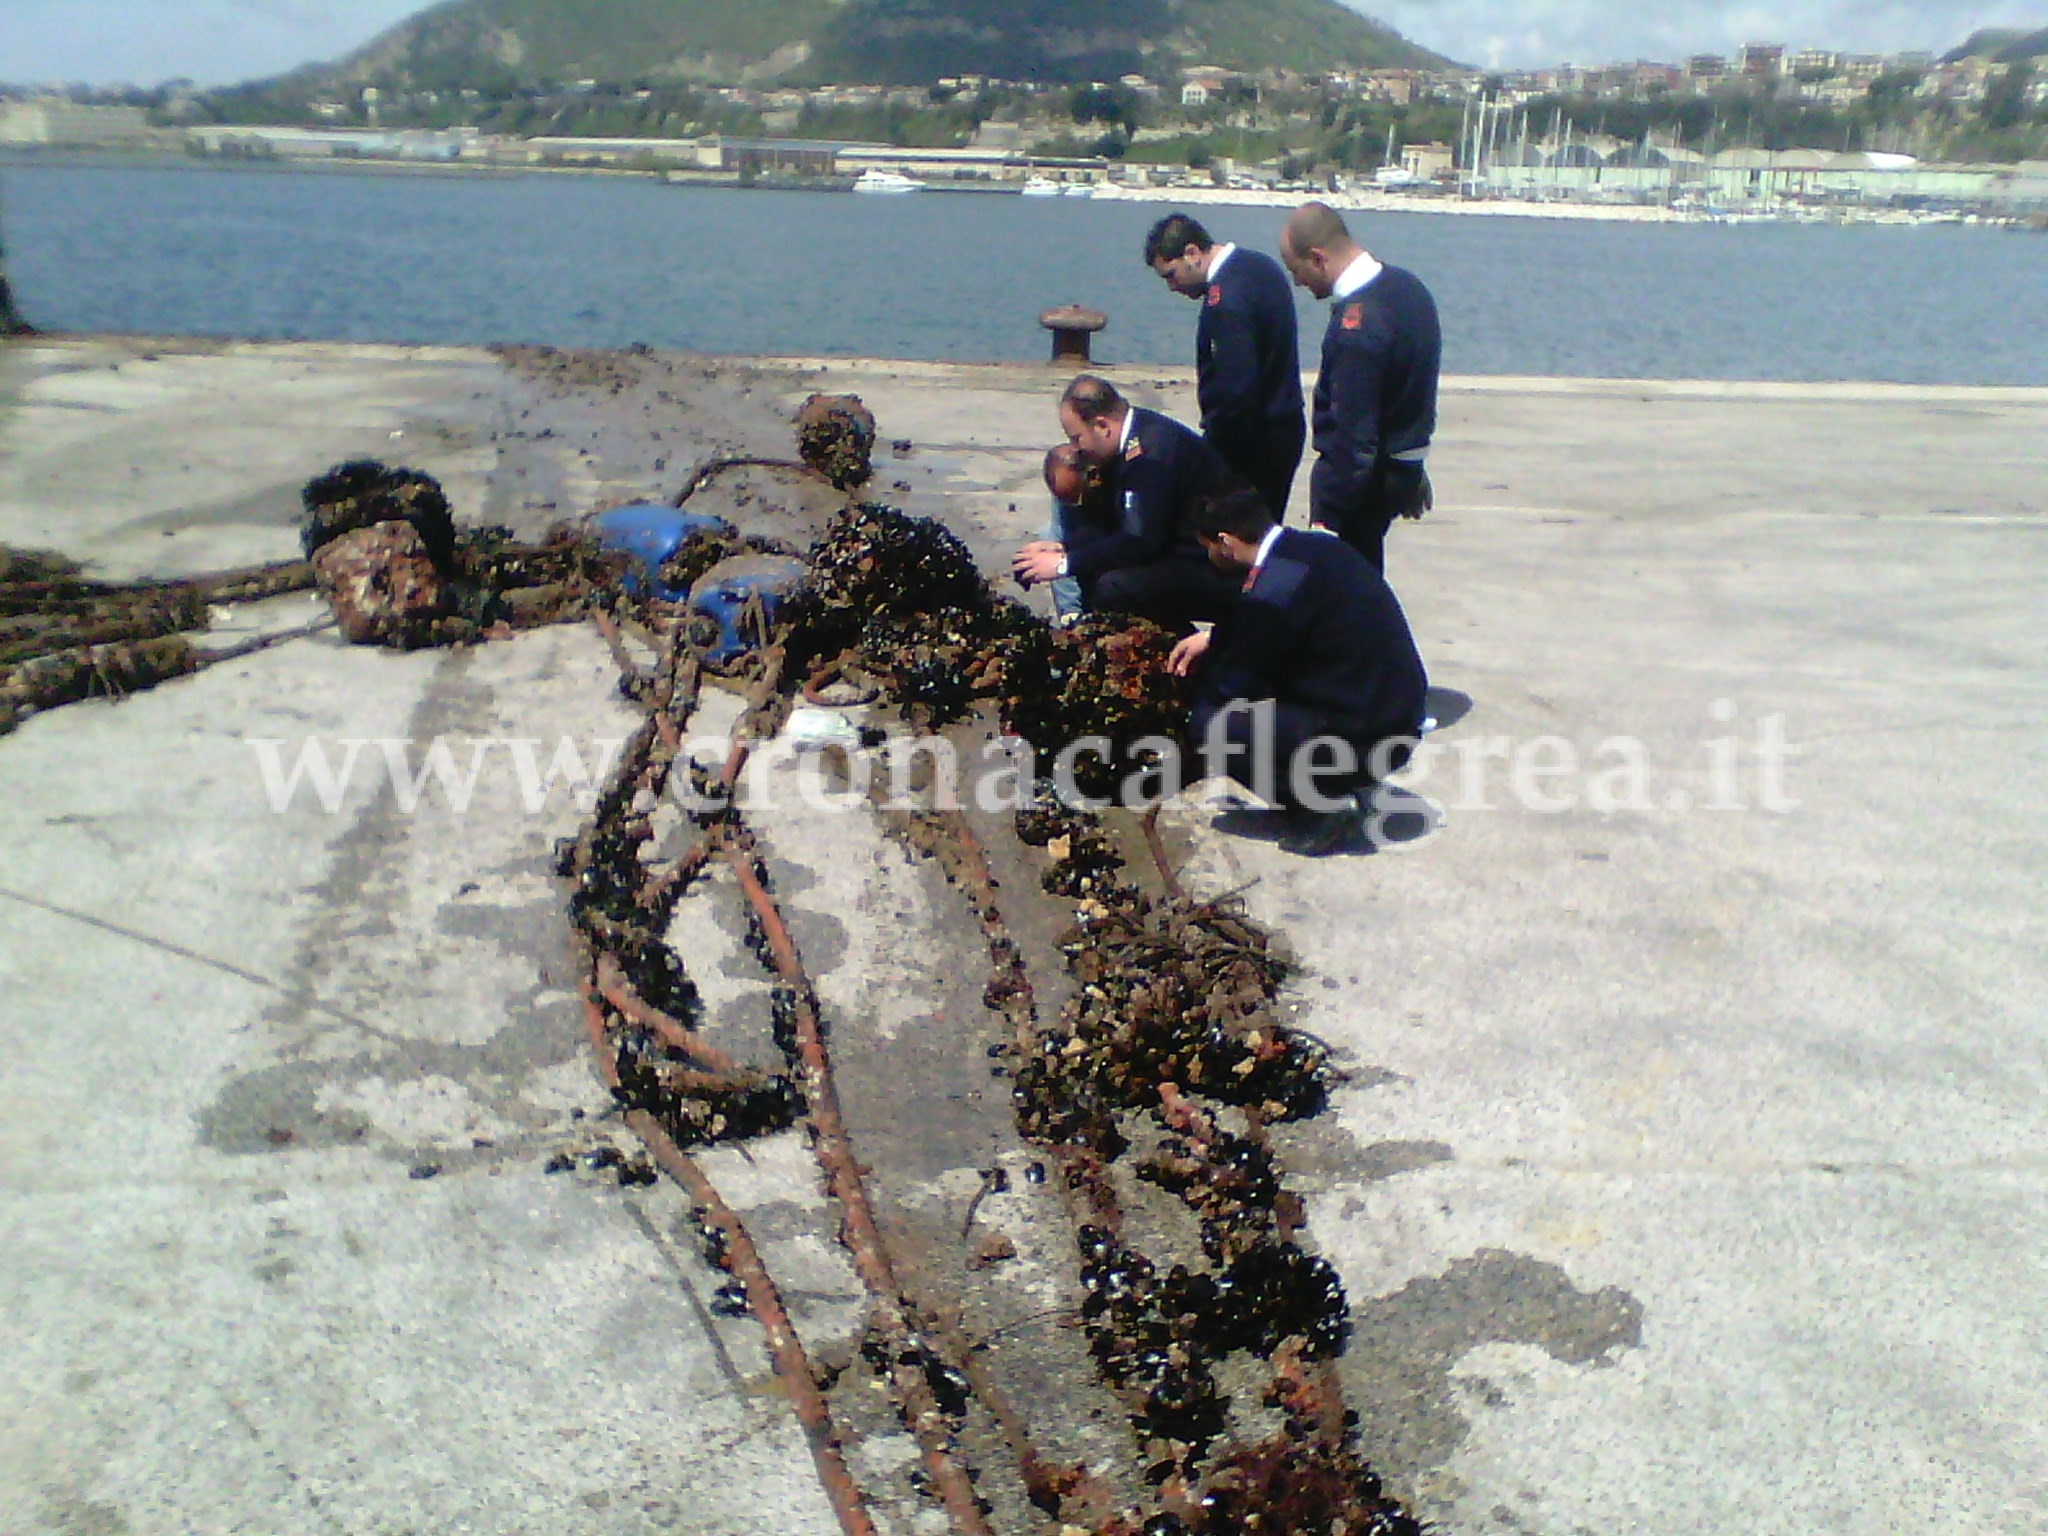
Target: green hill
{"x": 484, "y": 43}
{"x": 2001, "y": 45}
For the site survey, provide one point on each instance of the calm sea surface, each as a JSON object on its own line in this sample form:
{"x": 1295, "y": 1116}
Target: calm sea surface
{"x": 605, "y": 261}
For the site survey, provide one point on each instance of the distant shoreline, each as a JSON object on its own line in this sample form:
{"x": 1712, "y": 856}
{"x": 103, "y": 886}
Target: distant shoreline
{"x": 1354, "y": 200}
{"x": 1367, "y": 201}
{"x": 1363, "y": 201}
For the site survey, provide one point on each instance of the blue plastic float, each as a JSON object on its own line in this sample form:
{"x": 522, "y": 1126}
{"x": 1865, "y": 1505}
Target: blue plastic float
{"x": 649, "y": 533}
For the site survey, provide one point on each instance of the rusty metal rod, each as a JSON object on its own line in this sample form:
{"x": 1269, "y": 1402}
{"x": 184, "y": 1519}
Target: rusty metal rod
{"x": 1167, "y": 877}
{"x": 764, "y": 1298}
{"x": 616, "y": 989}
{"x": 861, "y": 1232}
{"x": 719, "y": 463}
{"x": 636, "y": 675}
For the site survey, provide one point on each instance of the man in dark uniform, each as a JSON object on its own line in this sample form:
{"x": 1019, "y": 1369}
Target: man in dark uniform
{"x": 1247, "y": 360}
{"x": 1310, "y": 689}
{"x": 1375, "y": 405}
{"x": 1147, "y": 563}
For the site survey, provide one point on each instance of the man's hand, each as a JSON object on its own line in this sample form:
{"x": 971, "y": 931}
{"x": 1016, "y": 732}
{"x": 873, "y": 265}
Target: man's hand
{"x": 1038, "y": 561}
{"x": 1424, "y": 498}
{"x": 1187, "y": 653}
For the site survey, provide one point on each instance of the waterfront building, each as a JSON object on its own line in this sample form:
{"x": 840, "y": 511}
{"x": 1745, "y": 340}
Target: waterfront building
{"x": 54, "y": 122}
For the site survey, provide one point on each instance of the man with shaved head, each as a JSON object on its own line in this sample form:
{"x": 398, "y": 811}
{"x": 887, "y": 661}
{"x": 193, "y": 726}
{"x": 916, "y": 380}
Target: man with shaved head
{"x": 1375, "y": 402}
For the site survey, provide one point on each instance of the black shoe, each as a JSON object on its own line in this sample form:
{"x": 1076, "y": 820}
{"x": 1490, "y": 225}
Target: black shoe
{"x": 1326, "y": 832}
{"x": 1255, "y": 823}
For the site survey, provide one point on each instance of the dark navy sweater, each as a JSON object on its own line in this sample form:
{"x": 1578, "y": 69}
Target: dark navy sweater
{"x": 1154, "y": 482}
{"x": 1248, "y": 362}
{"x": 1319, "y": 627}
{"x": 1376, "y": 394}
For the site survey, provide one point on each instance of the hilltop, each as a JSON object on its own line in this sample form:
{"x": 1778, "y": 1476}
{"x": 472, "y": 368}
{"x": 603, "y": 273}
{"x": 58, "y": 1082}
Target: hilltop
{"x": 482, "y": 44}
{"x": 2001, "y": 45}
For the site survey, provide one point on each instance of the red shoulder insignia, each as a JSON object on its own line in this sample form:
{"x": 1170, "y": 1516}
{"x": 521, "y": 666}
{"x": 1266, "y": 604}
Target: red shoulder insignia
{"x": 1354, "y": 316}
{"x": 1215, "y": 295}
{"x": 1133, "y": 450}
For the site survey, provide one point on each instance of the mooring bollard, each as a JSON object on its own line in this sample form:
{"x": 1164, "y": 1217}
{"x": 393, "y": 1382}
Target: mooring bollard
{"x": 1071, "y": 326}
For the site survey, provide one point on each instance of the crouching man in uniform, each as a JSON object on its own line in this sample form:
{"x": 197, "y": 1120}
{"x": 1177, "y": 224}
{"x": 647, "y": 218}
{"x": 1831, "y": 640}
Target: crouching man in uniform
{"x": 1146, "y": 562}
{"x": 1310, "y": 689}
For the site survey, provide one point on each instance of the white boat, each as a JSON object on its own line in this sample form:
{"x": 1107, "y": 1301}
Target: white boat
{"x": 1077, "y": 189}
{"x": 876, "y": 180}
{"x": 1040, "y": 186}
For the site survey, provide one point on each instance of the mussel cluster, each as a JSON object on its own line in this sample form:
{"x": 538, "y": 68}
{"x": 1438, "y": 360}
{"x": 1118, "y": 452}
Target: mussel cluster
{"x": 363, "y": 493}
{"x": 629, "y": 1171}
{"x": 1151, "y": 1335}
{"x": 1231, "y": 1182}
{"x": 610, "y": 907}
{"x": 1281, "y": 1488}
{"x": 835, "y": 435}
{"x": 1104, "y": 676}
{"x": 950, "y": 1389}
{"x": 903, "y": 595}
{"x": 1156, "y": 1336}
{"x": 1175, "y": 992}
{"x": 1174, "y": 1012}
{"x": 500, "y": 580}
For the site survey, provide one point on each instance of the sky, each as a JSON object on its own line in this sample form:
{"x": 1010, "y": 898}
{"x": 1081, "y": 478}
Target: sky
{"x": 216, "y": 42}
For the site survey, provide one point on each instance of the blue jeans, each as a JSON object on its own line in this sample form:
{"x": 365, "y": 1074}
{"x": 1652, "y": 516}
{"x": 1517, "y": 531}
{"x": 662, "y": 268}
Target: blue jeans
{"x": 1064, "y": 526}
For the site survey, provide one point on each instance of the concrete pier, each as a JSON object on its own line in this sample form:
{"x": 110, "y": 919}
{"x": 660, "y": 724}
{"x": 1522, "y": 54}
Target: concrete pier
{"x": 1688, "y": 1174}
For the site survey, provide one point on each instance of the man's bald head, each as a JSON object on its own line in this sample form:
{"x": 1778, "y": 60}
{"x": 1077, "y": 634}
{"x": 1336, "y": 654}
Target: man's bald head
{"x": 1066, "y": 473}
{"x": 1316, "y": 226}
{"x": 1316, "y": 247}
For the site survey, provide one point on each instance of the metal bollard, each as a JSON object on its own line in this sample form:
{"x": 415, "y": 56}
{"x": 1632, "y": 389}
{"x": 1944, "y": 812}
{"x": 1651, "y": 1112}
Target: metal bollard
{"x": 1071, "y": 326}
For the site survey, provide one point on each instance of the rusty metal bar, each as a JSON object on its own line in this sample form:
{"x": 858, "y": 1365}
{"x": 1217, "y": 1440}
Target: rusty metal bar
{"x": 861, "y": 1233}
{"x": 764, "y": 1299}
{"x": 616, "y": 989}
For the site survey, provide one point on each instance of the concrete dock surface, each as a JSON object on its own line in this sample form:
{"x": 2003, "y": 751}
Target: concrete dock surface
{"x": 1688, "y": 1174}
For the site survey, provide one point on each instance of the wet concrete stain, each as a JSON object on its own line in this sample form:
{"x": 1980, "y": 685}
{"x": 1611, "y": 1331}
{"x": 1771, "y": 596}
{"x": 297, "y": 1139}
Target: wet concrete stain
{"x": 291, "y": 1103}
{"x": 66, "y": 1515}
{"x": 1406, "y": 1345}
{"x": 1322, "y": 1153}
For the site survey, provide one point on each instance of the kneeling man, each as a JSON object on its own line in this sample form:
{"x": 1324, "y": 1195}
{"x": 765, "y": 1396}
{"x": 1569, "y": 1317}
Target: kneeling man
{"x": 1309, "y": 690}
{"x": 1145, "y": 562}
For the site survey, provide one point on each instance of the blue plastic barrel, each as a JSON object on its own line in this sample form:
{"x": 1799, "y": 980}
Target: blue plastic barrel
{"x": 727, "y": 593}
{"x": 649, "y": 533}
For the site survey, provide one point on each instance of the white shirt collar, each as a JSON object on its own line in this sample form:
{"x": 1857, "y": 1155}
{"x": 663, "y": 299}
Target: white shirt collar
{"x": 1123, "y": 438}
{"x": 1266, "y": 546}
{"x": 1361, "y": 271}
{"x": 1223, "y": 254}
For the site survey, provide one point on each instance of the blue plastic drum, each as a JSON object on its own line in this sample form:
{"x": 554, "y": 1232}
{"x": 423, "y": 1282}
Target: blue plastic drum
{"x": 741, "y": 597}
{"x": 649, "y": 534}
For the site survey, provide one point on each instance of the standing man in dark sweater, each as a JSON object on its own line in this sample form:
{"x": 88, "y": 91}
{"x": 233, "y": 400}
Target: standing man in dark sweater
{"x": 1310, "y": 690}
{"x": 1247, "y": 359}
{"x": 1146, "y": 562}
{"x": 1375, "y": 406}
